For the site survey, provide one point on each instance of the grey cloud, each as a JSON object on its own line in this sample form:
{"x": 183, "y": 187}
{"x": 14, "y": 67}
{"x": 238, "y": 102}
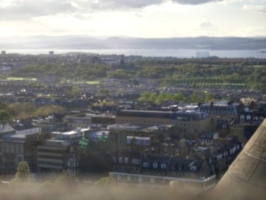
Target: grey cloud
{"x": 25, "y": 9}
{"x": 256, "y": 8}
{"x": 118, "y": 4}
{"x": 195, "y": 2}
{"x": 263, "y": 9}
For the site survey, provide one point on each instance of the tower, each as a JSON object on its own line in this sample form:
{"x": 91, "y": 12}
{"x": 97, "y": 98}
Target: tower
{"x": 246, "y": 177}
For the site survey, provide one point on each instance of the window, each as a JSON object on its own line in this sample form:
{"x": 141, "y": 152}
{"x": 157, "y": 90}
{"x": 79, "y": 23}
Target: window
{"x": 135, "y": 161}
{"x": 71, "y": 164}
{"x": 163, "y": 165}
{"x": 146, "y": 164}
{"x": 193, "y": 168}
{"x": 155, "y": 165}
{"x": 126, "y": 160}
{"x": 120, "y": 160}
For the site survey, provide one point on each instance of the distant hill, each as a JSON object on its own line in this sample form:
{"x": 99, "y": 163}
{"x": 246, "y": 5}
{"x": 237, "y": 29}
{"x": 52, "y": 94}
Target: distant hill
{"x": 85, "y": 42}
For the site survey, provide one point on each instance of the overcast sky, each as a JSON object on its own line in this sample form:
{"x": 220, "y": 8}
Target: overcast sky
{"x": 137, "y": 18}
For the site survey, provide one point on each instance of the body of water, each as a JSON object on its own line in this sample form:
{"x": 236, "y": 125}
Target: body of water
{"x": 179, "y": 53}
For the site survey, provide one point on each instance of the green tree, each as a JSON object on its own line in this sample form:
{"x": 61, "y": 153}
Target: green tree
{"x": 209, "y": 97}
{"x": 73, "y": 90}
{"x": 196, "y": 97}
{"x": 104, "y": 91}
{"x": 23, "y": 171}
{"x": 105, "y": 182}
{"x": 5, "y": 116}
{"x": 23, "y": 177}
{"x": 120, "y": 91}
{"x": 3, "y": 106}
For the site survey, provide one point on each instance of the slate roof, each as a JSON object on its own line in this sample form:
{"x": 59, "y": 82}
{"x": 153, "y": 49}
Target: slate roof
{"x": 144, "y": 114}
{"x": 188, "y": 116}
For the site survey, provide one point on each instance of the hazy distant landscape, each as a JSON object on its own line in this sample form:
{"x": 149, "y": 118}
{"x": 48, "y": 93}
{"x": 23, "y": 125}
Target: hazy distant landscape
{"x": 87, "y": 42}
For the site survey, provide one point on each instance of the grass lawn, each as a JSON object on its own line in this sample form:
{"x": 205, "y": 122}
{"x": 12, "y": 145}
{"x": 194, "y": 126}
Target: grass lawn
{"x": 92, "y": 82}
{"x": 21, "y": 79}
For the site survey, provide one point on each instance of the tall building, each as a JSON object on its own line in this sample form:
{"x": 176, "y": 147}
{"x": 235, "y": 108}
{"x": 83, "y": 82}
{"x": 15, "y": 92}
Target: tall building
{"x": 189, "y": 123}
{"x": 60, "y": 153}
{"x": 203, "y": 54}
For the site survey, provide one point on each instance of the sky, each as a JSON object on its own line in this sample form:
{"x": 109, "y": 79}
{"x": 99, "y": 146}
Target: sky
{"x": 134, "y": 18}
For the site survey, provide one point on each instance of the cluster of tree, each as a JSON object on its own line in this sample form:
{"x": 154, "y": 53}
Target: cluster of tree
{"x": 196, "y": 97}
{"x": 28, "y": 110}
{"x": 67, "y": 71}
{"x": 4, "y": 113}
{"x": 219, "y": 72}
{"x": 105, "y": 103}
{"x": 64, "y": 186}
{"x": 24, "y": 179}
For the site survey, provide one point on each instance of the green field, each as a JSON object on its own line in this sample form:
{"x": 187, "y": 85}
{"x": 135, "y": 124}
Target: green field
{"x": 258, "y": 66}
{"x": 92, "y": 82}
{"x": 21, "y": 79}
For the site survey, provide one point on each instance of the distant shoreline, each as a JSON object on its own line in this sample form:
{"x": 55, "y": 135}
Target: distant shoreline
{"x": 175, "y": 53}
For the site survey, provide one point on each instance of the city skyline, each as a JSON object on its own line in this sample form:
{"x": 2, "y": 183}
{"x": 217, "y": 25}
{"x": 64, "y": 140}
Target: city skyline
{"x": 148, "y": 19}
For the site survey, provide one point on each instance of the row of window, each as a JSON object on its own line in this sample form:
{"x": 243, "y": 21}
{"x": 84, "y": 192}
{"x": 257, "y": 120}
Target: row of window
{"x": 72, "y": 164}
{"x": 49, "y": 163}
{"x": 153, "y": 180}
{"x": 220, "y": 112}
{"x": 231, "y": 151}
{"x": 11, "y": 145}
{"x": 163, "y": 165}
{"x": 11, "y": 150}
{"x": 250, "y": 117}
{"x": 216, "y": 108}
{"x": 126, "y": 160}
{"x": 141, "y": 122}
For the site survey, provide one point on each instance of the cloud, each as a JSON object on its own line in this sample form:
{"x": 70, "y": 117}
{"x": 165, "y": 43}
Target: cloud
{"x": 196, "y": 2}
{"x": 27, "y": 9}
{"x": 206, "y": 25}
{"x": 118, "y": 4}
{"x": 261, "y": 9}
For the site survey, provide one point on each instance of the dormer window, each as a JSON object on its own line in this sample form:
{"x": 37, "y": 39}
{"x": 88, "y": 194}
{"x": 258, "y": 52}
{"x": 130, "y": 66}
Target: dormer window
{"x": 126, "y": 160}
{"x": 135, "y": 161}
{"x": 224, "y": 126}
{"x": 120, "y": 160}
{"x": 155, "y": 165}
{"x": 219, "y": 157}
{"x": 163, "y": 165}
{"x": 146, "y": 164}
